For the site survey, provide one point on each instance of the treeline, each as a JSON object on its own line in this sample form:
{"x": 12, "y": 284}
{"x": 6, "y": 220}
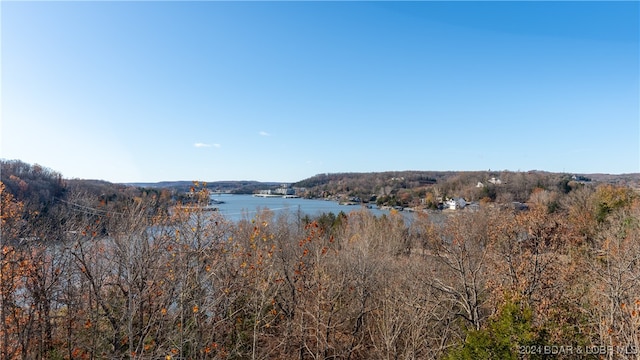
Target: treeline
{"x": 429, "y": 188}
{"x": 366, "y": 184}
{"x": 35, "y": 186}
{"x": 50, "y": 201}
{"x": 135, "y": 283}
{"x": 233, "y": 187}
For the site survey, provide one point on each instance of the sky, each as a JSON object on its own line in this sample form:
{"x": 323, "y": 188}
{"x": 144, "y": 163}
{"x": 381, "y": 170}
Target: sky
{"x": 280, "y": 91}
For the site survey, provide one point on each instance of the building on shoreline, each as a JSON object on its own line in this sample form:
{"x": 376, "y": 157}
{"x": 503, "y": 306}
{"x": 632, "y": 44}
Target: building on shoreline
{"x": 285, "y": 190}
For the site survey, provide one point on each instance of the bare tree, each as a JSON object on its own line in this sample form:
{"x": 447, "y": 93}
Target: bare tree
{"x": 459, "y": 258}
{"x": 615, "y": 267}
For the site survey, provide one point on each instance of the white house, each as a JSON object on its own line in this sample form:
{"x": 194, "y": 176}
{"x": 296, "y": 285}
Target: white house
{"x": 455, "y": 204}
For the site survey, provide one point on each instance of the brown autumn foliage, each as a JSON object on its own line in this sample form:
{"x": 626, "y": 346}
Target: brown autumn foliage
{"x": 134, "y": 278}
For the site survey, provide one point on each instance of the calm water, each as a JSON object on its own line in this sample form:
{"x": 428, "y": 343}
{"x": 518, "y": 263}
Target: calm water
{"x": 236, "y": 207}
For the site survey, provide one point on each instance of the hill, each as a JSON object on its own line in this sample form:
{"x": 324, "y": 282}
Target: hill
{"x": 233, "y": 187}
{"x": 414, "y": 188}
{"x": 40, "y": 188}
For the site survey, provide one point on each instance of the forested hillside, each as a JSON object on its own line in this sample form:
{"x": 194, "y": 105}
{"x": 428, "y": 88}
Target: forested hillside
{"x": 49, "y": 201}
{"x": 425, "y": 189}
{"x": 232, "y": 187}
{"x": 122, "y": 275}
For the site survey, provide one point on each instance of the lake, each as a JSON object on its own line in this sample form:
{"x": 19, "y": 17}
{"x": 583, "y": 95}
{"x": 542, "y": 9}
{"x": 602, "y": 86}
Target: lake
{"x": 235, "y": 207}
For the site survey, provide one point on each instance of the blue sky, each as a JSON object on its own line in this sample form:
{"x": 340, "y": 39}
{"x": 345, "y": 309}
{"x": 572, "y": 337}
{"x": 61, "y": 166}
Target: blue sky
{"x": 281, "y": 91}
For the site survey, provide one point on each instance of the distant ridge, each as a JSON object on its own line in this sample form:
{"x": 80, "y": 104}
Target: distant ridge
{"x": 422, "y": 177}
{"x": 237, "y": 187}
